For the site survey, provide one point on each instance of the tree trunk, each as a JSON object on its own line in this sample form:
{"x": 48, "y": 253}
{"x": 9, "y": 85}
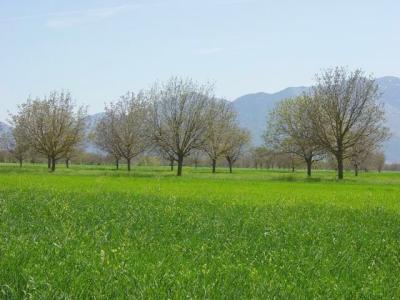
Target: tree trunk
{"x": 53, "y": 164}
{"x": 67, "y": 163}
{"x": 356, "y": 170}
{"x": 171, "y": 164}
{"x": 20, "y": 162}
{"x": 117, "y": 164}
{"x": 214, "y": 164}
{"x": 196, "y": 164}
{"x": 48, "y": 163}
{"x": 309, "y": 165}
{"x": 180, "y": 165}
{"x": 128, "y": 160}
{"x": 339, "y": 159}
{"x": 230, "y": 165}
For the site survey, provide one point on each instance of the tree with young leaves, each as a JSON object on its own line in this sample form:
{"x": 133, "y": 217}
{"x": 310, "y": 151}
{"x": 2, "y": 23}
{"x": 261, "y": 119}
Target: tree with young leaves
{"x": 123, "y": 131}
{"x": 179, "y": 117}
{"x": 365, "y": 148}
{"x": 51, "y": 126}
{"x": 168, "y": 156}
{"x": 220, "y": 124}
{"x": 196, "y": 156}
{"x": 72, "y": 154}
{"x": 238, "y": 140}
{"x": 104, "y": 138}
{"x": 376, "y": 160}
{"x": 344, "y": 111}
{"x": 289, "y": 130}
{"x": 14, "y": 144}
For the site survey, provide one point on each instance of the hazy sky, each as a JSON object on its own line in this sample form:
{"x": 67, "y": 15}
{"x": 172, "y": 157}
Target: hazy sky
{"x": 100, "y": 49}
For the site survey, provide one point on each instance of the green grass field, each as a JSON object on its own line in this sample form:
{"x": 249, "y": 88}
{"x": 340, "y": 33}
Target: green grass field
{"x": 96, "y": 233}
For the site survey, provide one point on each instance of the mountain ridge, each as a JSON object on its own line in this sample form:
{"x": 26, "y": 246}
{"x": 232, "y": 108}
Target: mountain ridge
{"x": 253, "y": 110}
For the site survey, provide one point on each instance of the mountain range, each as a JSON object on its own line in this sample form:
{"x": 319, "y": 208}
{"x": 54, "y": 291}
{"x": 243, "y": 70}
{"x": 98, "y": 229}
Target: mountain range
{"x": 253, "y": 109}
{"x": 4, "y": 128}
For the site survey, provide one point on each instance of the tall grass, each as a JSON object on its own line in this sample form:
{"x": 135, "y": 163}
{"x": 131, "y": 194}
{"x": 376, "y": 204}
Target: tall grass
{"x": 91, "y": 232}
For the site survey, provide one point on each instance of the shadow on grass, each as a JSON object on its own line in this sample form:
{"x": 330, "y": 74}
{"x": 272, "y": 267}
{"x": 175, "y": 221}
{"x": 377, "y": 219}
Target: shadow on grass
{"x": 298, "y": 179}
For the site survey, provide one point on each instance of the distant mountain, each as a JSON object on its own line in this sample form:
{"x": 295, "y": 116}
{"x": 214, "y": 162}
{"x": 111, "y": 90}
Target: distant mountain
{"x": 390, "y": 89}
{"x": 4, "y": 128}
{"x": 253, "y": 109}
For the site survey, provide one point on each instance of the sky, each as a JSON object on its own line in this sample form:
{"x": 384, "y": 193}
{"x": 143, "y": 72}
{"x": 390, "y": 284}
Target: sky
{"x": 99, "y": 50}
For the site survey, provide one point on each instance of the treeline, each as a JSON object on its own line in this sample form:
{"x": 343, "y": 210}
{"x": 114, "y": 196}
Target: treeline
{"x": 173, "y": 119}
{"x": 260, "y": 157}
{"x": 340, "y": 118}
{"x": 339, "y": 122}
{"x": 264, "y": 157}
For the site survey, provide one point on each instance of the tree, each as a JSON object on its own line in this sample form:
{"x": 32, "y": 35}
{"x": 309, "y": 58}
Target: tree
{"x": 50, "y": 126}
{"x": 289, "y": 130}
{"x": 196, "y": 157}
{"x": 68, "y": 157}
{"x": 221, "y": 120}
{"x": 104, "y": 138}
{"x": 237, "y": 141}
{"x": 377, "y": 160}
{"x": 359, "y": 154}
{"x": 14, "y": 143}
{"x": 364, "y": 150}
{"x": 358, "y": 157}
{"x": 72, "y": 154}
{"x": 169, "y": 156}
{"x": 127, "y": 133}
{"x": 343, "y": 111}
{"x": 179, "y": 117}
{"x": 261, "y": 156}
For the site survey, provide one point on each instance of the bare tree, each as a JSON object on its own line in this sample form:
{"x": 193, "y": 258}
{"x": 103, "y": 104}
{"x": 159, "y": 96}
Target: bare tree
{"x": 221, "y": 121}
{"x": 196, "y": 157}
{"x": 344, "y": 110}
{"x": 377, "y": 160}
{"x": 365, "y": 148}
{"x": 179, "y": 117}
{"x": 169, "y": 156}
{"x": 72, "y": 154}
{"x": 262, "y": 156}
{"x": 104, "y": 138}
{"x": 238, "y": 139}
{"x": 50, "y": 126}
{"x": 126, "y": 130}
{"x": 68, "y": 157}
{"x": 14, "y": 143}
{"x": 290, "y": 130}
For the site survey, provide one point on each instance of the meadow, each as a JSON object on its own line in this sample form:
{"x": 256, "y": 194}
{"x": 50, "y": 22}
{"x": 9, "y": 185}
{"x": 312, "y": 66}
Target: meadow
{"x": 97, "y": 233}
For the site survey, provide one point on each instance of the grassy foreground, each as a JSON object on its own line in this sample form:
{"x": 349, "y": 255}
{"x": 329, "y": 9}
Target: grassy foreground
{"x": 98, "y": 233}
